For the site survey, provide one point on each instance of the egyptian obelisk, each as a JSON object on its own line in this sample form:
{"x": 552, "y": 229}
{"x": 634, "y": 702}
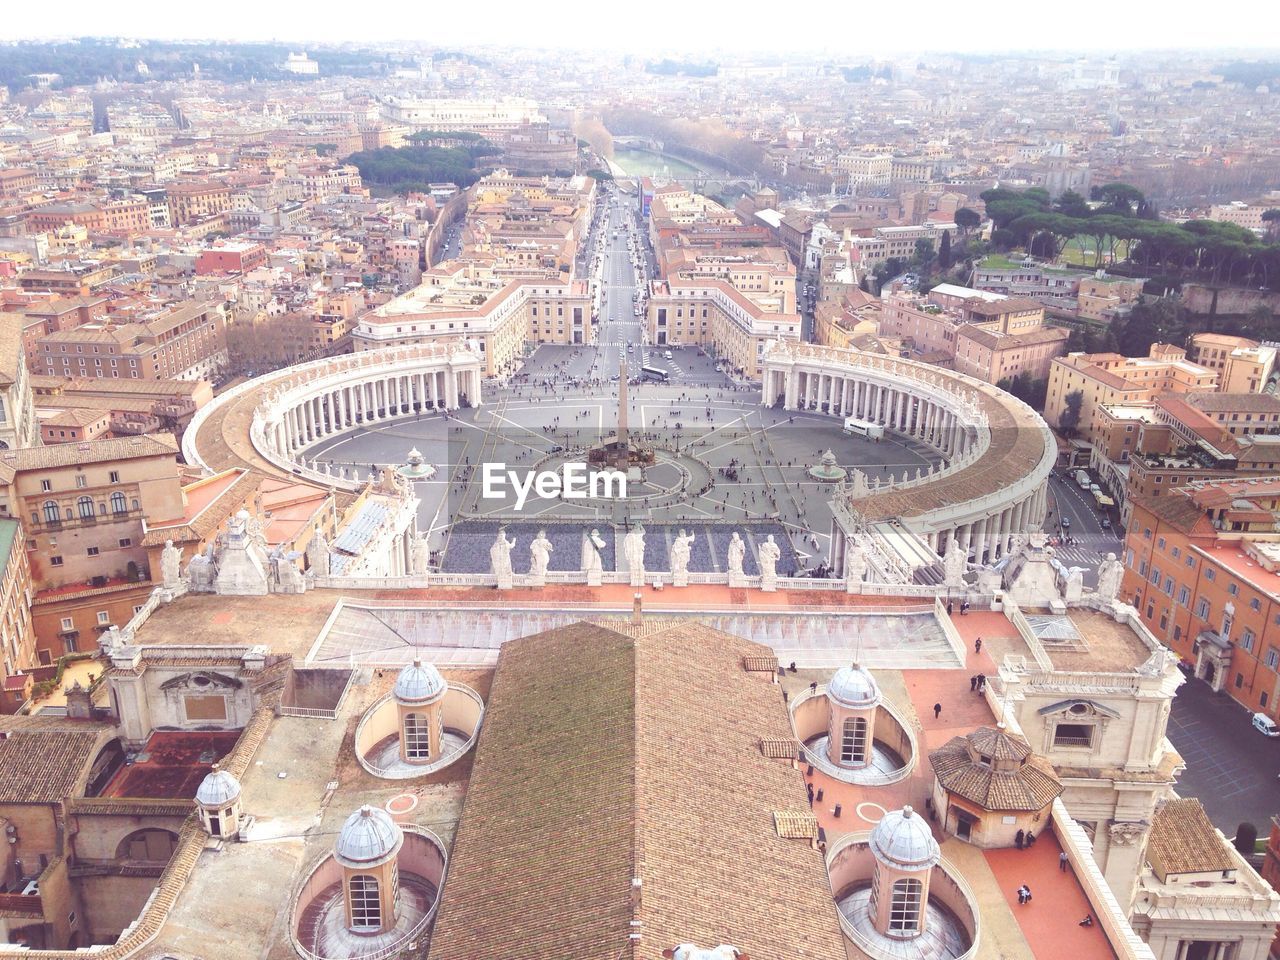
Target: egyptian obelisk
{"x": 622, "y": 409}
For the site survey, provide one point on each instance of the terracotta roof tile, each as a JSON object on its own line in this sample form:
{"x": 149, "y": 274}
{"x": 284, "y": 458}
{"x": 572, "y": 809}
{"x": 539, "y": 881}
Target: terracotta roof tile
{"x": 1182, "y": 840}
{"x": 613, "y": 754}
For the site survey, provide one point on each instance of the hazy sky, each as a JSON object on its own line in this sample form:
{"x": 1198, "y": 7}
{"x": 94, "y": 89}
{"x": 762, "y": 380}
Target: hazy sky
{"x": 657, "y": 27}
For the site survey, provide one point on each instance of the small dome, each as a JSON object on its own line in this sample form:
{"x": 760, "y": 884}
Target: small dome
{"x": 217, "y": 789}
{"x": 854, "y": 687}
{"x": 419, "y": 683}
{"x": 903, "y": 839}
{"x": 368, "y": 837}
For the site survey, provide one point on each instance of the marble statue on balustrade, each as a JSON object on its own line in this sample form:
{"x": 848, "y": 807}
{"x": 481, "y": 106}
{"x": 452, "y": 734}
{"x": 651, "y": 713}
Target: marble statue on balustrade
{"x": 633, "y": 550}
{"x": 954, "y": 564}
{"x": 769, "y": 554}
{"x": 318, "y": 554}
{"x": 256, "y": 531}
{"x": 500, "y": 559}
{"x": 420, "y": 557}
{"x": 681, "y": 548}
{"x": 540, "y": 558}
{"x": 855, "y": 566}
{"x": 735, "y": 555}
{"x": 592, "y": 564}
{"x": 1110, "y": 574}
{"x": 285, "y": 575}
{"x": 171, "y": 565}
{"x": 201, "y": 571}
{"x": 1073, "y": 584}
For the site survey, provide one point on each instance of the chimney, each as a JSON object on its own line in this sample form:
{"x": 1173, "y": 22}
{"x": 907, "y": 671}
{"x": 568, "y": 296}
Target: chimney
{"x": 636, "y": 605}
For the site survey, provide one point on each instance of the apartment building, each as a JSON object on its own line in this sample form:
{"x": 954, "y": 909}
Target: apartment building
{"x": 84, "y": 507}
{"x": 1240, "y": 414}
{"x": 1246, "y": 215}
{"x": 17, "y": 636}
{"x": 17, "y": 405}
{"x": 184, "y": 343}
{"x": 1098, "y": 297}
{"x": 1109, "y": 378}
{"x": 190, "y": 200}
{"x": 229, "y": 257}
{"x": 985, "y": 335}
{"x": 1243, "y": 365}
{"x": 128, "y": 217}
{"x": 1203, "y": 569}
{"x": 17, "y": 182}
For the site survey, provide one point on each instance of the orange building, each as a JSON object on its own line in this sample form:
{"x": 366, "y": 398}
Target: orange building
{"x": 1207, "y": 585}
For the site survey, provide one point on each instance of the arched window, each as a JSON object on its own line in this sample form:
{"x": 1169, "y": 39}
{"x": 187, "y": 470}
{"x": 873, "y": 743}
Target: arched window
{"x": 51, "y": 514}
{"x": 102, "y": 509}
{"x": 853, "y": 740}
{"x": 417, "y": 737}
{"x": 85, "y": 505}
{"x": 904, "y": 907}
{"x": 118, "y": 503}
{"x": 366, "y": 907}
{"x": 149, "y": 844}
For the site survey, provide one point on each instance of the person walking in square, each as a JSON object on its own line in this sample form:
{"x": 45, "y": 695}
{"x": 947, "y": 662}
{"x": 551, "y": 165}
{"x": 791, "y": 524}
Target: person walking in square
{"x": 1062, "y": 861}
{"x": 977, "y": 645}
{"x": 1031, "y": 839}
{"x": 1018, "y": 839}
{"x": 937, "y": 710}
{"x": 1022, "y": 894}
{"x": 973, "y": 683}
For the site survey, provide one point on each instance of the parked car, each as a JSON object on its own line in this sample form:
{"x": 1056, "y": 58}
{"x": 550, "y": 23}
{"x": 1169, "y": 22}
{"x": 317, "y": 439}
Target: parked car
{"x": 1105, "y": 523}
{"x": 1265, "y": 725}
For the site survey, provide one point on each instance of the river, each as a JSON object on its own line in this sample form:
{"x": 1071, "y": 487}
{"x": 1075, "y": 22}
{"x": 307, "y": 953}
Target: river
{"x": 646, "y": 163}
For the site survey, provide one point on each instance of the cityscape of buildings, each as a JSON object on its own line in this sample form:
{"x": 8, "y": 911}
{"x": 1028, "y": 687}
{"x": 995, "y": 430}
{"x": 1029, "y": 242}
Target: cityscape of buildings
{"x": 934, "y": 613}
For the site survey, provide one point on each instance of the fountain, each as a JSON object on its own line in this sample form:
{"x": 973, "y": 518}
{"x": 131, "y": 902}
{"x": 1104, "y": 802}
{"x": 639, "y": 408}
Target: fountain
{"x": 414, "y": 468}
{"x": 827, "y": 470}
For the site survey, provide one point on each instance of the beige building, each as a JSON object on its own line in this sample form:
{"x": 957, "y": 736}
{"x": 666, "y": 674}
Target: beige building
{"x": 454, "y": 304}
{"x": 18, "y": 427}
{"x": 184, "y": 343}
{"x": 84, "y": 507}
{"x": 1109, "y": 378}
{"x": 17, "y": 636}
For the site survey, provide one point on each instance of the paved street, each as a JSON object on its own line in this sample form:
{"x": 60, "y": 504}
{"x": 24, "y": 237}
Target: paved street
{"x": 1091, "y": 542}
{"x": 1231, "y": 768}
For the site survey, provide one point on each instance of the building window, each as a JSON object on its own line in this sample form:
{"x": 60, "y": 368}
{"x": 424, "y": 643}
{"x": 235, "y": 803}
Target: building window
{"x": 118, "y": 503}
{"x": 1273, "y": 658}
{"x": 1073, "y": 735}
{"x": 46, "y": 486}
{"x": 1255, "y": 604}
{"x": 104, "y": 617}
{"x": 1184, "y": 596}
{"x": 1202, "y": 608}
{"x": 93, "y": 551}
{"x": 114, "y": 476}
{"x": 853, "y": 740}
{"x": 417, "y": 737}
{"x": 1211, "y": 574}
{"x": 904, "y": 907}
{"x": 51, "y": 514}
{"x": 1233, "y": 589}
{"x": 126, "y": 541}
{"x": 366, "y": 907}
{"x": 1246, "y": 640}
{"x": 85, "y": 506}
{"x": 68, "y": 623}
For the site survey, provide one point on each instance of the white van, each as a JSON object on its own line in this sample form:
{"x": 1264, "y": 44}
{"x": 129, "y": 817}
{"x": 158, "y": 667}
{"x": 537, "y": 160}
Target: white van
{"x": 1082, "y": 480}
{"x": 1265, "y": 725}
{"x": 863, "y": 428}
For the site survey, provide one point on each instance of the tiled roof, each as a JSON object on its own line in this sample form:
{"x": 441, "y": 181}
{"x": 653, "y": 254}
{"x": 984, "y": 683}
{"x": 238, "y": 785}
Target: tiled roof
{"x": 45, "y": 766}
{"x": 1182, "y": 840}
{"x": 1233, "y": 402}
{"x": 607, "y": 758}
{"x": 92, "y": 451}
{"x": 1032, "y": 785}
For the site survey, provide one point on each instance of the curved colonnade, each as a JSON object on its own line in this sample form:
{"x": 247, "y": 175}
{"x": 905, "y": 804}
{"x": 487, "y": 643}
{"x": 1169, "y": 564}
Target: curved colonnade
{"x": 278, "y": 416}
{"x": 998, "y": 452}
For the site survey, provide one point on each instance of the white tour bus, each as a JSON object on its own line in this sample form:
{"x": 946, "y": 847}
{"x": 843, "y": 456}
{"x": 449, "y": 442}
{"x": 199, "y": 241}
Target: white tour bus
{"x": 863, "y": 428}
